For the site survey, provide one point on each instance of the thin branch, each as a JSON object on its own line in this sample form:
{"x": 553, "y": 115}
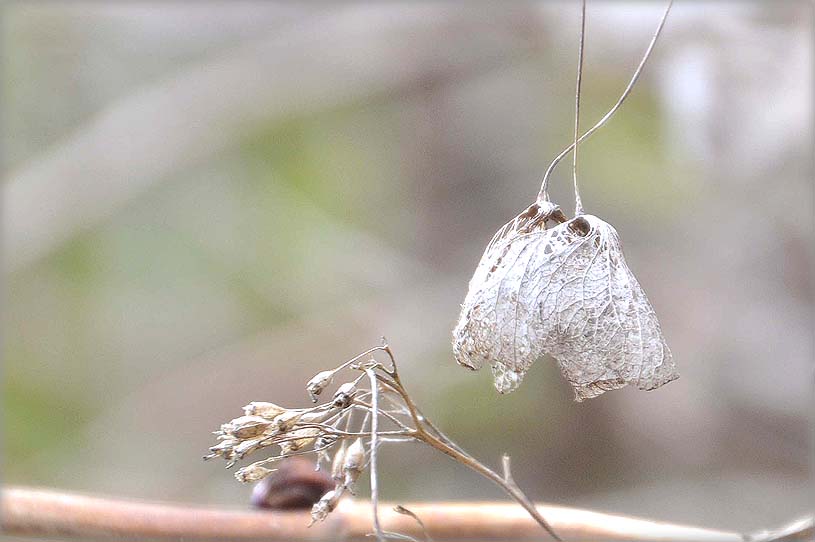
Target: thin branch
{"x": 42, "y": 513}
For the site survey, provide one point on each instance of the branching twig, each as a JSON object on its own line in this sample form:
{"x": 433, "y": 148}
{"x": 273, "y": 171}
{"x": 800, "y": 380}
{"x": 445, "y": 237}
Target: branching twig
{"x": 316, "y": 429}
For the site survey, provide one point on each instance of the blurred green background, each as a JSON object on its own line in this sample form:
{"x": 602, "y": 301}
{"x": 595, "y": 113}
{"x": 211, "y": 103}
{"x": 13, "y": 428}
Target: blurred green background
{"x": 207, "y": 203}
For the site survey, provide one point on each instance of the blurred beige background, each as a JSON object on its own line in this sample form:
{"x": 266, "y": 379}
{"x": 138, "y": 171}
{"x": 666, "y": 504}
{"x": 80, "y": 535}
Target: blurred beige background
{"x": 206, "y": 203}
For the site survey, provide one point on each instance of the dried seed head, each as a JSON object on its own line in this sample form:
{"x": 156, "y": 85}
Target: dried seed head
{"x": 246, "y": 427}
{"x": 344, "y": 395}
{"x": 317, "y": 384}
{"x": 253, "y": 473}
{"x": 326, "y": 505}
{"x": 260, "y": 408}
{"x": 354, "y": 462}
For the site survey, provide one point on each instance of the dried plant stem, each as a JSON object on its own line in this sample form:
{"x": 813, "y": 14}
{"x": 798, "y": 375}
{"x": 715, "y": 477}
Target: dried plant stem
{"x": 543, "y": 194}
{"x": 374, "y": 444}
{"x": 438, "y": 440}
{"x": 505, "y": 482}
{"x": 578, "y": 204}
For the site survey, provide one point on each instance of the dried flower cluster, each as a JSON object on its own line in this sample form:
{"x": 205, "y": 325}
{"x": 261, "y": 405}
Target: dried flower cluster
{"x": 326, "y": 430}
{"x": 344, "y": 433}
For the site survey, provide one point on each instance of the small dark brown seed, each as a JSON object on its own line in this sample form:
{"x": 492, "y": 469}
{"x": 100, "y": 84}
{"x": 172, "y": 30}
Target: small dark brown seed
{"x": 294, "y": 485}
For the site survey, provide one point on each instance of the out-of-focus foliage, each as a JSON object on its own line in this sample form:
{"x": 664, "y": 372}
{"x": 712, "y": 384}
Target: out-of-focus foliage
{"x": 299, "y": 238}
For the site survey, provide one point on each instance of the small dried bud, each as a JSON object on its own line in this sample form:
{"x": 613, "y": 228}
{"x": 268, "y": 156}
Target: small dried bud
{"x": 336, "y": 465}
{"x": 344, "y": 395}
{"x": 325, "y": 505}
{"x": 325, "y": 441}
{"x": 252, "y": 473}
{"x": 307, "y": 437}
{"x": 285, "y": 421}
{"x": 224, "y": 449}
{"x": 354, "y": 463}
{"x": 246, "y": 427}
{"x": 317, "y": 384}
{"x": 247, "y": 446}
{"x": 266, "y": 410}
{"x": 321, "y": 446}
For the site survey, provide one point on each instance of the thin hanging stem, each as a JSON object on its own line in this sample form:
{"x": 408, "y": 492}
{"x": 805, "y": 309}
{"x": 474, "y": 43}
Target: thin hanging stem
{"x": 543, "y": 195}
{"x": 374, "y": 445}
{"x": 578, "y": 205}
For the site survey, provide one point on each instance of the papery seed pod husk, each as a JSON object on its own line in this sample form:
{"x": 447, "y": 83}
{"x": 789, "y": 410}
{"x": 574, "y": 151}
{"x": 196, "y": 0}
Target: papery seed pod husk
{"x": 264, "y": 409}
{"x": 285, "y": 421}
{"x": 337, "y": 464}
{"x": 252, "y": 473}
{"x": 326, "y": 505}
{"x": 344, "y": 395}
{"x": 322, "y": 445}
{"x": 325, "y": 441}
{"x": 248, "y": 426}
{"x": 563, "y": 290}
{"x": 247, "y": 446}
{"x": 317, "y": 384}
{"x": 354, "y": 462}
{"x": 301, "y": 439}
{"x": 224, "y": 448}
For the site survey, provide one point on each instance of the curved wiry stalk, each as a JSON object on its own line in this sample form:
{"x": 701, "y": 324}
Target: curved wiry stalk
{"x": 543, "y": 194}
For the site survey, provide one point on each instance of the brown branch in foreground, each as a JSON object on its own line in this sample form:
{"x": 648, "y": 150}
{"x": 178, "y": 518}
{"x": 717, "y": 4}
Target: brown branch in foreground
{"x": 48, "y": 513}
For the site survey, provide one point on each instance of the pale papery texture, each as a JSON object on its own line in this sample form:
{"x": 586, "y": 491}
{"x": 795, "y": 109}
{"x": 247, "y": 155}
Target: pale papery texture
{"x": 548, "y": 285}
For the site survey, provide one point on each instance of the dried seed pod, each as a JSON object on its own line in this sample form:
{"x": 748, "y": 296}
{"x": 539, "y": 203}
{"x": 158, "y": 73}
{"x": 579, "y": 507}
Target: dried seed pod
{"x": 294, "y": 485}
{"x": 264, "y": 409}
{"x": 325, "y": 441}
{"x": 246, "y": 427}
{"x": 285, "y": 421}
{"x": 247, "y": 446}
{"x": 354, "y": 463}
{"x": 344, "y": 395}
{"x": 322, "y": 445}
{"x": 337, "y": 464}
{"x": 317, "y": 384}
{"x": 301, "y": 439}
{"x": 326, "y": 505}
{"x": 225, "y": 449}
{"x": 252, "y": 473}
{"x": 565, "y": 291}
